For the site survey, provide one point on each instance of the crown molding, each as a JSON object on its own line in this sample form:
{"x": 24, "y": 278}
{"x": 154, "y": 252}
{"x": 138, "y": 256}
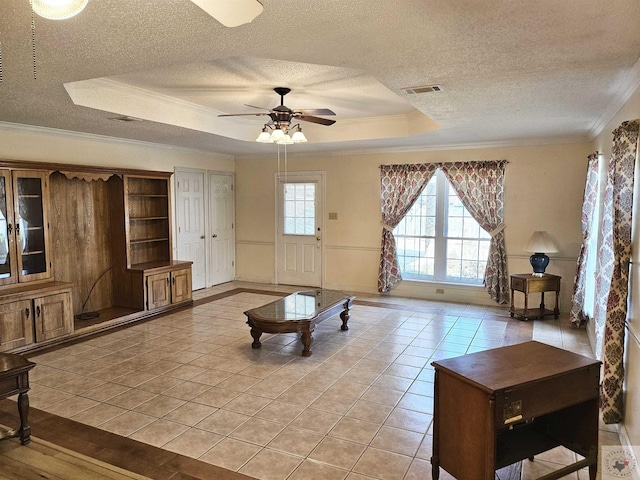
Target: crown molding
{"x": 522, "y": 142}
{"x": 629, "y": 86}
{"x": 35, "y": 129}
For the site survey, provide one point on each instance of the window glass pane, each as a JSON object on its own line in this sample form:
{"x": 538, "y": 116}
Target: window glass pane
{"x": 471, "y": 228}
{"x": 453, "y": 268}
{"x": 469, "y": 269}
{"x": 454, "y": 249}
{"x": 299, "y": 208}
{"x": 454, "y": 227}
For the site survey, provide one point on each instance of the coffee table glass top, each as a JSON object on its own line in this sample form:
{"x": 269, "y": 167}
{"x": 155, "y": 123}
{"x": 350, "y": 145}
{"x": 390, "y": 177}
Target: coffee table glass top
{"x": 300, "y": 305}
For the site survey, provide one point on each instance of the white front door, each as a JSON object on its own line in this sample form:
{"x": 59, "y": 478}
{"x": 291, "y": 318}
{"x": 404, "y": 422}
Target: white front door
{"x": 221, "y": 208}
{"x": 190, "y": 220}
{"x": 300, "y": 227}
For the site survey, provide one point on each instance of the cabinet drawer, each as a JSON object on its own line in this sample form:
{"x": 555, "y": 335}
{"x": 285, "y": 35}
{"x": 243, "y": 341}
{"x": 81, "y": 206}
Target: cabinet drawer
{"x": 518, "y": 284}
{"x": 531, "y": 400}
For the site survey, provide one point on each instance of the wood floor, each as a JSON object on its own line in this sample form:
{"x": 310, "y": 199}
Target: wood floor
{"x": 44, "y": 460}
{"x": 68, "y": 450}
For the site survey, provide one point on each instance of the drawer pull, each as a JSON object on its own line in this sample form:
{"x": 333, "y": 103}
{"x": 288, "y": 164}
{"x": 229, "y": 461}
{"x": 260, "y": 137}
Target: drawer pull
{"x": 26, "y": 311}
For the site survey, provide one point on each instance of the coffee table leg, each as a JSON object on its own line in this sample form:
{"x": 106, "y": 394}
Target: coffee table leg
{"x": 307, "y": 340}
{"x": 256, "y": 338}
{"x": 344, "y": 316}
{"x": 23, "y": 410}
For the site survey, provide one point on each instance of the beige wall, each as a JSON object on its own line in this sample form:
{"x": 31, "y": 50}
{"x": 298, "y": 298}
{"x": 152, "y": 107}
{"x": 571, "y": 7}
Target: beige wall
{"x": 631, "y": 424}
{"x": 543, "y": 191}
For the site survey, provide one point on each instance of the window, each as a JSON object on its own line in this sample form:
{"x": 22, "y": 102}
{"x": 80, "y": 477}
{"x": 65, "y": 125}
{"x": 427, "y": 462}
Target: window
{"x": 439, "y": 240}
{"x": 300, "y": 209}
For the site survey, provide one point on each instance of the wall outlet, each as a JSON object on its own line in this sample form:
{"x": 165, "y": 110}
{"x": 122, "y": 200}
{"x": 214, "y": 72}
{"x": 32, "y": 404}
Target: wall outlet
{"x": 440, "y": 290}
{"x": 333, "y": 215}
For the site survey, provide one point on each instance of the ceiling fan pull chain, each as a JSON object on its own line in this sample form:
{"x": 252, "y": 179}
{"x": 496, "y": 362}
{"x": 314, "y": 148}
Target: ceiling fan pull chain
{"x": 0, "y": 62}
{"x": 33, "y": 39}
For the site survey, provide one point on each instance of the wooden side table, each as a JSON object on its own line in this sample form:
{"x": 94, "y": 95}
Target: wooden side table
{"x": 527, "y": 283}
{"x": 14, "y": 378}
{"x": 500, "y": 406}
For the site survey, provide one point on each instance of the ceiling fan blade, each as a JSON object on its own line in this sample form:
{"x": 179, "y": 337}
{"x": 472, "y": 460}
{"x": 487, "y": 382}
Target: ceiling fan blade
{"x": 260, "y": 108}
{"x": 242, "y": 114}
{"x": 312, "y": 119}
{"x": 231, "y": 14}
{"x": 315, "y": 111}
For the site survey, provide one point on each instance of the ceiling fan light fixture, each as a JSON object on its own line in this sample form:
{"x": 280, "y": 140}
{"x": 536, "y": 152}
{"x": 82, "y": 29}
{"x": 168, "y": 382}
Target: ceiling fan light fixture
{"x": 277, "y": 135}
{"x": 285, "y": 140}
{"x": 58, "y": 9}
{"x": 264, "y": 137}
{"x": 298, "y": 136}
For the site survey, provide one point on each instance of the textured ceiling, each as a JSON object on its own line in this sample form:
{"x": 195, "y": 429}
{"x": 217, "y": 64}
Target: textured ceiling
{"x": 511, "y": 71}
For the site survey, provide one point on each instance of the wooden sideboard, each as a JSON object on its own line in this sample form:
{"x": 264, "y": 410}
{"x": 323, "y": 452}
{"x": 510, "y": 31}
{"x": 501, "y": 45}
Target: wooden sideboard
{"x": 497, "y": 407}
{"x": 82, "y": 249}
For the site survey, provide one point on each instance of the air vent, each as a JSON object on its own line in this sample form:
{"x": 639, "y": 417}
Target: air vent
{"x": 126, "y": 118}
{"x": 422, "y": 89}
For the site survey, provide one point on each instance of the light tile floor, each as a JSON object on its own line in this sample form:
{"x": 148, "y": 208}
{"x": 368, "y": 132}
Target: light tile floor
{"x": 359, "y": 408}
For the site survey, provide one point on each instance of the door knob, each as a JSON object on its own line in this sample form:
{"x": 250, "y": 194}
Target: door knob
{"x": 214, "y": 236}
{"x": 201, "y": 237}
{"x": 318, "y": 238}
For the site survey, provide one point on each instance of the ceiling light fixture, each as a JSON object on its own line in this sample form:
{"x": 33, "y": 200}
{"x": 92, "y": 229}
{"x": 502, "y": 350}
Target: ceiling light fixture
{"x": 58, "y": 9}
{"x": 278, "y": 132}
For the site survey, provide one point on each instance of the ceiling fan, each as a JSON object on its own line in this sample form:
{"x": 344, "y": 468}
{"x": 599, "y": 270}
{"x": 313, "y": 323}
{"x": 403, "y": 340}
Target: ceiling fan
{"x": 231, "y": 13}
{"x": 282, "y": 116}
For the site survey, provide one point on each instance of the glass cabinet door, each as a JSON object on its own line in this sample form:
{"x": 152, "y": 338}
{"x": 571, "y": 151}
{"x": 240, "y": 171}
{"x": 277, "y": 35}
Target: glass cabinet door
{"x": 7, "y": 239}
{"x": 30, "y": 191}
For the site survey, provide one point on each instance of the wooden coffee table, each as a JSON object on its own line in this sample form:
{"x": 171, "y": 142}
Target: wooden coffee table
{"x": 299, "y": 312}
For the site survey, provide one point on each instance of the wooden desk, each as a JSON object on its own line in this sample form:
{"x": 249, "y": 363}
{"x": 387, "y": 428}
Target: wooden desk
{"x": 299, "y": 312}
{"x": 14, "y": 378}
{"x": 527, "y": 283}
{"x": 500, "y": 406}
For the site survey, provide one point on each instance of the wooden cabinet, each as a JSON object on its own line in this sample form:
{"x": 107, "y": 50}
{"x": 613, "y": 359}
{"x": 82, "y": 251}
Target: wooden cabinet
{"x": 53, "y": 316}
{"x": 181, "y": 289}
{"x": 16, "y": 325}
{"x": 497, "y": 407}
{"x": 147, "y": 220}
{"x": 528, "y": 283}
{"x": 34, "y": 313}
{"x": 24, "y": 226}
{"x": 168, "y": 288}
{"x": 104, "y": 232}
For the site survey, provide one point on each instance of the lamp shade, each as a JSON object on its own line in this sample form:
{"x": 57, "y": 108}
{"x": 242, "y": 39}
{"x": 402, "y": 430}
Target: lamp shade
{"x": 58, "y": 9}
{"x": 298, "y": 137}
{"x": 264, "y": 137}
{"x": 541, "y": 242}
{"x": 277, "y": 134}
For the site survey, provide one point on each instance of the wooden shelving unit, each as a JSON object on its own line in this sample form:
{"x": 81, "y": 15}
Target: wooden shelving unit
{"x": 83, "y": 240}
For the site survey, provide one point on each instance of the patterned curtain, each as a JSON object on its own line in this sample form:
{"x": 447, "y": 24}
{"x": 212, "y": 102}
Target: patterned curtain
{"x": 480, "y": 186}
{"x": 577, "y": 315}
{"x": 621, "y": 169}
{"x": 401, "y": 186}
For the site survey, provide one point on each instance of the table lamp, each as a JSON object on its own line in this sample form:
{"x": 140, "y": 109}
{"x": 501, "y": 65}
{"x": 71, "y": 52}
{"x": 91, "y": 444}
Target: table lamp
{"x": 540, "y": 244}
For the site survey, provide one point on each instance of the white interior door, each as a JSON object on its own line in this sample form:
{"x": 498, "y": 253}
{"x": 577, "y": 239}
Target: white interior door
{"x": 300, "y": 202}
{"x": 190, "y": 219}
{"x": 222, "y": 240}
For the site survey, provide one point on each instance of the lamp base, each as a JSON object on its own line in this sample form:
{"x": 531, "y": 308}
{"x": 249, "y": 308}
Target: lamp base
{"x": 539, "y": 262}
